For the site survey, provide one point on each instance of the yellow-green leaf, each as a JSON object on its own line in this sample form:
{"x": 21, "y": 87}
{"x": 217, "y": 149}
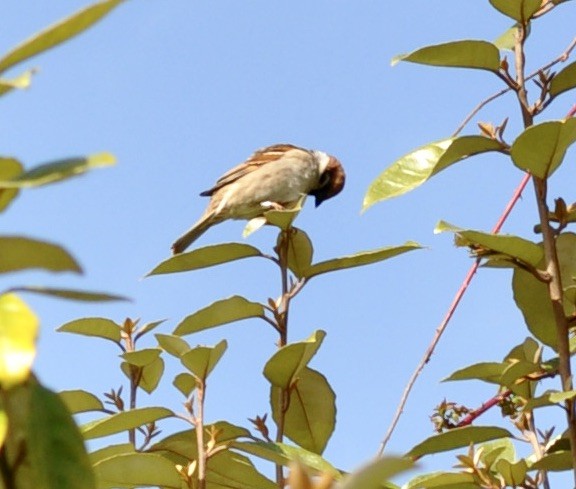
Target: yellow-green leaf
{"x": 283, "y": 454}
{"x": 202, "y": 359}
{"x": 311, "y": 416}
{"x": 300, "y": 251}
{"x": 137, "y": 470}
{"x": 55, "y": 450}
{"x": 229, "y": 469}
{"x": 416, "y": 167}
{"x": 564, "y": 80}
{"x": 56, "y": 171}
{"x": 18, "y": 332}
{"x": 375, "y": 473}
{"x": 9, "y": 168}
{"x": 457, "y": 54}
{"x": 172, "y": 344}
{"x": 504, "y": 244}
{"x": 458, "y": 438}
{"x": 57, "y": 33}
{"x": 555, "y": 462}
{"x": 79, "y": 401}
{"x": 486, "y": 371}
{"x": 360, "y": 259}
{"x": 443, "y": 480}
{"x": 99, "y": 327}
{"x": 532, "y": 297}
{"x": 141, "y": 358}
{"x": 18, "y": 253}
{"x": 225, "y": 311}
{"x": 519, "y": 10}
{"x": 185, "y": 383}
{"x": 285, "y": 365}
{"x": 208, "y": 256}
{"x": 540, "y": 149}
{"x": 150, "y": 374}
{"x": 124, "y": 421}
{"x": 74, "y": 295}
{"x": 19, "y": 83}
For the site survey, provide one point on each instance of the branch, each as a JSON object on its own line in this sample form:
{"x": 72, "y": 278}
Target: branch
{"x": 444, "y": 324}
{"x": 560, "y": 59}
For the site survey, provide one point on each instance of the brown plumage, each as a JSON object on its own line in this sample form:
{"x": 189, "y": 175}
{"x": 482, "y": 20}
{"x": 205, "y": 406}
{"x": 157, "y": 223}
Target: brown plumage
{"x": 273, "y": 177}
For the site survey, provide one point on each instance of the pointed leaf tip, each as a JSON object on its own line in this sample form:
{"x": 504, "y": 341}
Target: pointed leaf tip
{"x": 457, "y": 54}
{"x": 418, "y": 166}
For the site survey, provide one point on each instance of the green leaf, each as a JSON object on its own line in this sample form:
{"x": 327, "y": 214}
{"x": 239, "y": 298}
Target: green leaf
{"x": 486, "y": 371}
{"x": 511, "y": 246}
{"x": 514, "y": 378}
{"x": 540, "y": 149}
{"x": 458, "y": 438}
{"x": 54, "y": 445}
{"x": 18, "y": 330}
{"x": 137, "y": 470}
{"x": 208, "y": 256}
{"x": 360, "y": 259}
{"x": 493, "y": 451}
{"x": 311, "y": 416}
{"x": 141, "y": 358}
{"x": 457, "y": 54}
{"x": 18, "y": 253}
{"x": 151, "y": 375}
{"x": 185, "y": 383}
{"x": 564, "y": 80}
{"x": 110, "y": 451}
{"x": 282, "y": 454}
{"x": 3, "y": 427}
{"x": 225, "y": 311}
{"x": 519, "y": 10}
{"x": 99, "y": 327}
{"x": 373, "y": 475}
{"x": 545, "y": 400}
{"x": 19, "y": 83}
{"x": 174, "y": 345}
{"x": 148, "y": 327}
{"x": 179, "y": 446}
{"x": 418, "y": 166}
{"x": 554, "y": 462}
{"x": 286, "y": 364}
{"x": 443, "y": 480}
{"x": 532, "y": 297}
{"x": 300, "y": 251}
{"x": 58, "y": 33}
{"x": 75, "y": 295}
{"x": 202, "y": 359}
{"x": 79, "y": 401}
{"x": 59, "y": 170}
{"x": 507, "y": 40}
{"x": 9, "y": 168}
{"x": 228, "y": 469}
{"x": 514, "y": 474}
{"x": 124, "y": 421}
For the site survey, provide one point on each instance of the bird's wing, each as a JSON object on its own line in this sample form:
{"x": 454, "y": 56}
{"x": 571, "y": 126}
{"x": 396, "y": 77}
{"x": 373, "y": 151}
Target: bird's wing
{"x": 256, "y": 160}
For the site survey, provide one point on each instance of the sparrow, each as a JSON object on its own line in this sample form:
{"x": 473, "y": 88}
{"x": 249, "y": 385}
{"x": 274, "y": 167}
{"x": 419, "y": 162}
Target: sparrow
{"x": 275, "y": 177}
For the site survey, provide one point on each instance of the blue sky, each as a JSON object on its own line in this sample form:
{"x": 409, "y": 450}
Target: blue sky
{"x": 179, "y": 92}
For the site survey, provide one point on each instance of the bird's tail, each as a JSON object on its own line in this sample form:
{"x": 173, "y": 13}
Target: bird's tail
{"x": 192, "y": 234}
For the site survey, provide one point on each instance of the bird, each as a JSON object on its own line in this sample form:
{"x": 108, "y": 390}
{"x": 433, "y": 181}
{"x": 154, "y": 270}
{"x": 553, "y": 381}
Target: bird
{"x": 274, "y": 177}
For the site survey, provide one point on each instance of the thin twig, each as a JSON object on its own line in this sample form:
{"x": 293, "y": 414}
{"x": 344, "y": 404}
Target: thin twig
{"x": 560, "y": 59}
{"x": 444, "y": 324}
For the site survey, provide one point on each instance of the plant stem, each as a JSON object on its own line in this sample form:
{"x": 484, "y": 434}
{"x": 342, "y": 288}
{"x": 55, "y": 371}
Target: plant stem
{"x": 199, "y": 424}
{"x": 556, "y": 292}
{"x": 552, "y": 263}
{"x": 284, "y": 307}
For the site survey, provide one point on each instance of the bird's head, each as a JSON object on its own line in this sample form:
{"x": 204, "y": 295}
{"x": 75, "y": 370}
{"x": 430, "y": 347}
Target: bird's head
{"x": 332, "y": 178}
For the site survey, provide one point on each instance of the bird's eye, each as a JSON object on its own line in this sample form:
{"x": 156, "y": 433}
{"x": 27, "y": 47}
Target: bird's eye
{"x": 324, "y": 180}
